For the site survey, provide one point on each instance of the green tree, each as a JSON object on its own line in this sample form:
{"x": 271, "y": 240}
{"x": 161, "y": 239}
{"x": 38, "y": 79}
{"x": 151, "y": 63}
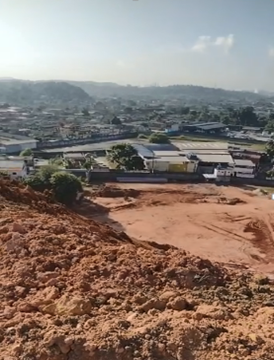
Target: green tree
{"x": 4, "y": 174}
{"x": 115, "y": 121}
{"x": 36, "y": 183}
{"x": 269, "y": 149}
{"x": 125, "y": 156}
{"x": 159, "y": 138}
{"x": 46, "y": 172}
{"x": 57, "y": 161}
{"x": 65, "y": 187}
{"x": 184, "y": 110}
{"x": 26, "y": 152}
{"x": 269, "y": 126}
{"x": 226, "y": 120}
{"x": 85, "y": 112}
{"x": 247, "y": 116}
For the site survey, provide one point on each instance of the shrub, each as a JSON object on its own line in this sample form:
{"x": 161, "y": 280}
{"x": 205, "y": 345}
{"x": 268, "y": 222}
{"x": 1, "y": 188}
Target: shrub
{"x": 65, "y": 187}
{"x": 159, "y": 138}
{"x": 26, "y": 152}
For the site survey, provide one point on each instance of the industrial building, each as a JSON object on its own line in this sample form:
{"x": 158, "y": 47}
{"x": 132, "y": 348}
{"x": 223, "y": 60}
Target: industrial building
{"x": 205, "y": 127}
{"x": 16, "y": 146}
{"x": 12, "y": 144}
{"x": 175, "y": 163}
{"x": 208, "y": 154}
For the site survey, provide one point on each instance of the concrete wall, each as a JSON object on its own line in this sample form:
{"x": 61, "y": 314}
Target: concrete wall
{"x": 113, "y": 175}
{"x": 94, "y": 140}
{"x": 254, "y": 182}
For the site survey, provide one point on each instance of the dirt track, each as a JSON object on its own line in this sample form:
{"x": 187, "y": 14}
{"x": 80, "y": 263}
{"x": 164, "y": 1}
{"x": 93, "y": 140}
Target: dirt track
{"x": 223, "y": 224}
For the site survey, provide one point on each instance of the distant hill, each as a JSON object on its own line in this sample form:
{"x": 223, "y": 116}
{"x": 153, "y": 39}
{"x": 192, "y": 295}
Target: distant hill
{"x": 186, "y": 92}
{"x": 57, "y": 91}
{"x": 35, "y": 92}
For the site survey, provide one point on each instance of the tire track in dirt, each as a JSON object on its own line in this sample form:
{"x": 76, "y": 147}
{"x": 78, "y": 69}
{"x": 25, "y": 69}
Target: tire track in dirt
{"x": 234, "y": 236}
{"x": 263, "y": 236}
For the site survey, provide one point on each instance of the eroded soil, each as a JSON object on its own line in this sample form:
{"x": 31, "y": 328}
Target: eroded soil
{"x": 74, "y": 289}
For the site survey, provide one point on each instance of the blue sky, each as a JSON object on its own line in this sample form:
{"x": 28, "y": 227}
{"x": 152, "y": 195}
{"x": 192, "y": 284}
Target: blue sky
{"x": 224, "y": 43}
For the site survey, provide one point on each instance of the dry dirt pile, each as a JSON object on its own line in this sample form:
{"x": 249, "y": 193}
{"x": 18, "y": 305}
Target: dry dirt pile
{"x": 71, "y": 289}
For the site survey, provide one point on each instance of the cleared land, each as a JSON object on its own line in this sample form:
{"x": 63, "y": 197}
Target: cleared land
{"x": 225, "y": 224}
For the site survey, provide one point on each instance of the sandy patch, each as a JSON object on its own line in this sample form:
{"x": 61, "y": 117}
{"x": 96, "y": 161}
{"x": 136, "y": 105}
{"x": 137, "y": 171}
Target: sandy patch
{"x": 222, "y": 224}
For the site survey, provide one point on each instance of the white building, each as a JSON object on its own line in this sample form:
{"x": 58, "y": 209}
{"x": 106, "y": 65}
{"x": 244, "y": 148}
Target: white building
{"x": 16, "y": 169}
{"x": 223, "y": 174}
{"x": 16, "y": 146}
{"x": 244, "y": 168}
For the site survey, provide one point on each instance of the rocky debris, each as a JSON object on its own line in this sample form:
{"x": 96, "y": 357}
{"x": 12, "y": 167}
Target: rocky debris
{"x": 71, "y": 288}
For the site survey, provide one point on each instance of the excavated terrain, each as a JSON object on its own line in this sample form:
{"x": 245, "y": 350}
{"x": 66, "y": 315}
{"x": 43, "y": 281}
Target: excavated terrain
{"x": 73, "y": 289}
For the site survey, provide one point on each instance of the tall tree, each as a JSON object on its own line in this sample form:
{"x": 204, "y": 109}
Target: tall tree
{"x": 125, "y": 156}
{"x": 269, "y": 148}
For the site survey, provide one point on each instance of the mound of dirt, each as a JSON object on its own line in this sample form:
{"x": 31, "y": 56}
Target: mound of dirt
{"x": 73, "y": 289}
{"x": 113, "y": 192}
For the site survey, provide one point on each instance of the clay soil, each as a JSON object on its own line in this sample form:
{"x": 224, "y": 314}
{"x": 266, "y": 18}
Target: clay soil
{"x": 224, "y": 224}
{"x": 72, "y": 288}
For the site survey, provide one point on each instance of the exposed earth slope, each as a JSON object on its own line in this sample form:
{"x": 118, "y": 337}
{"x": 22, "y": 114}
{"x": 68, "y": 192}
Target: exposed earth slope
{"x": 73, "y": 289}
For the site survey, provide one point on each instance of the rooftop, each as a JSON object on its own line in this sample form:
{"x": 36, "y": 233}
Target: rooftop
{"x": 195, "y": 145}
{"x": 211, "y": 126}
{"x": 172, "y": 159}
{"x": 143, "y": 151}
{"x": 216, "y": 158}
{"x": 243, "y": 162}
{"x": 15, "y": 142}
{"x": 160, "y": 153}
{"x": 161, "y": 147}
{"x": 11, "y": 164}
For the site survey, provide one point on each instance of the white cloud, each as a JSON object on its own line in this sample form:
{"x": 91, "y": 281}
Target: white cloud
{"x": 205, "y": 42}
{"x": 226, "y": 42}
{"x": 271, "y": 51}
{"x": 202, "y": 43}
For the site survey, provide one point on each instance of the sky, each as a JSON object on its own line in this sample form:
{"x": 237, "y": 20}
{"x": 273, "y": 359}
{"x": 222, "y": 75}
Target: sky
{"x": 215, "y": 43}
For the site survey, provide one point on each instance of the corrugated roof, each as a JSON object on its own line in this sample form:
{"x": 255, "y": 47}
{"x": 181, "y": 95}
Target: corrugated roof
{"x": 17, "y": 142}
{"x": 166, "y": 153}
{"x": 173, "y": 159}
{"x": 211, "y": 126}
{"x": 195, "y": 145}
{"x": 143, "y": 151}
{"x": 243, "y": 162}
{"x": 161, "y": 147}
{"x": 216, "y": 158}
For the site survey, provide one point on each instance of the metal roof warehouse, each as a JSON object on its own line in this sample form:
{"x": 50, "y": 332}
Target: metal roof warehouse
{"x": 215, "y": 158}
{"x": 208, "y": 127}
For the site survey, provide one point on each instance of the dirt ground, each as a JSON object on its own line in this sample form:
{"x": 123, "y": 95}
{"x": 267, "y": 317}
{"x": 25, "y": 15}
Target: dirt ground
{"x": 74, "y": 289}
{"x": 225, "y": 224}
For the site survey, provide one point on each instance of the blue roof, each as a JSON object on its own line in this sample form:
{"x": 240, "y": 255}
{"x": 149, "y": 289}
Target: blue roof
{"x": 143, "y": 151}
{"x": 161, "y": 147}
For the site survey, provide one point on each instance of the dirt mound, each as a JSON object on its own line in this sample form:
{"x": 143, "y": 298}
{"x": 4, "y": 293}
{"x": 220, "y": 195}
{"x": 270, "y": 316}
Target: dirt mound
{"x": 113, "y": 192}
{"x": 73, "y": 289}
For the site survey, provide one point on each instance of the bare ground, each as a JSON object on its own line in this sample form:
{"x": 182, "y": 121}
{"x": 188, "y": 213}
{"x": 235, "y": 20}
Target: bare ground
{"x": 74, "y": 289}
{"x": 224, "y": 224}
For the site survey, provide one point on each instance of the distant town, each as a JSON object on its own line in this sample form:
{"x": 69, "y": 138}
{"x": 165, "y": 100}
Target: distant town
{"x": 179, "y": 130}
